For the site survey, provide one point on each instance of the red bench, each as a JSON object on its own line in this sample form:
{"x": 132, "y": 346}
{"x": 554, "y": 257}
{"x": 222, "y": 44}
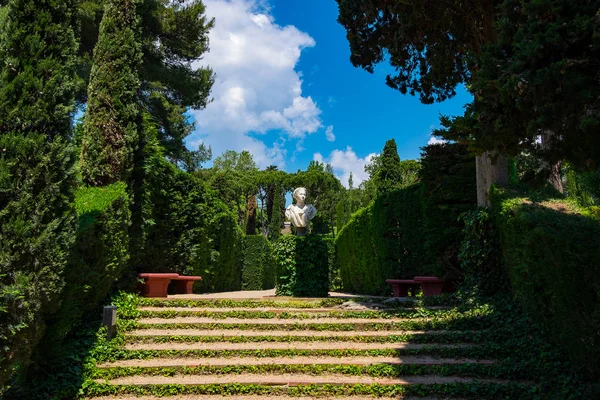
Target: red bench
{"x": 184, "y": 284}
{"x": 401, "y": 286}
{"x": 156, "y": 284}
{"x": 431, "y": 285}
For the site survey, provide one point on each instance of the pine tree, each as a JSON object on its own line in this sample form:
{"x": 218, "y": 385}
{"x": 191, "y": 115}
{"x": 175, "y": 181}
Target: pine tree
{"x": 37, "y": 219}
{"x": 112, "y": 120}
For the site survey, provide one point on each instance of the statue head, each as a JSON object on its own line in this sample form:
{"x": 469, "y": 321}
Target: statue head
{"x": 300, "y": 194}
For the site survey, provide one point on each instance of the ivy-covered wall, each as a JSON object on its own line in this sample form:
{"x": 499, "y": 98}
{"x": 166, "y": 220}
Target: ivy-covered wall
{"x": 258, "y": 272}
{"x": 302, "y": 266}
{"x": 384, "y": 240}
{"x": 552, "y": 253}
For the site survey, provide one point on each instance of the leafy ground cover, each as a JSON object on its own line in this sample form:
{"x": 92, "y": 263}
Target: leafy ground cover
{"x": 468, "y": 349}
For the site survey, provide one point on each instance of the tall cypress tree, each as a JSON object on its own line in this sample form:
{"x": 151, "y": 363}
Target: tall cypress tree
{"x": 389, "y": 173}
{"x": 37, "y": 219}
{"x": 112, "y": 119}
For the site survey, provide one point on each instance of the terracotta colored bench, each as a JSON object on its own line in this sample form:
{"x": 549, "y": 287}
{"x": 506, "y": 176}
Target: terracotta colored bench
{"x": 184, "y": 284}
{"x": 155, "y": 285}
{"x": 431, "y": 285}
{"x": 401, "y": 286}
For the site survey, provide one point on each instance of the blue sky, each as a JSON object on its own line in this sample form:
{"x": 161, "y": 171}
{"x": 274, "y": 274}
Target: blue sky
{"x": 287, "y": 92}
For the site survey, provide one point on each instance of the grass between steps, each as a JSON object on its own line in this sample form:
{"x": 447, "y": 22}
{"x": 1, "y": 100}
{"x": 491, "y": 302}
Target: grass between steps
{"x": 244, "y": 314}
{"x": 376, "y": 370}
{"x": 453, "y": 352}
{"x": 408, "y": 325}
{"x": 464, "y": 390}
{"x": 441, "y": 337}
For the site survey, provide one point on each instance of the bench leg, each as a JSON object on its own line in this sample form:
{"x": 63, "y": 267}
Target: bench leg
{"x": 400, "y": 290}
{"x": 156, "y": 287}
{"x": 184, "y": 287}
{"x": 432, "y": 288}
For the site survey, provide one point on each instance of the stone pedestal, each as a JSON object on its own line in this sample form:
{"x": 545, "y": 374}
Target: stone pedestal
{"x": 301, "y": 231}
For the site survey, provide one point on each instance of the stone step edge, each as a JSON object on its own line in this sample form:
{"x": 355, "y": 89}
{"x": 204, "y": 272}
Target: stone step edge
{"x": 293, "y": 380}
{"x": 181, "y": 364}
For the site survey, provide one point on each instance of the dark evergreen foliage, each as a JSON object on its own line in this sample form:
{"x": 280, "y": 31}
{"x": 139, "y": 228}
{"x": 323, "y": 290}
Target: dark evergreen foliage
{"x": 37, "y": 217}
{"x": 98, "y": 263}
{"x": 112, "y": 119}
{"x": 448, "y": 177}
{"x": 186, "y": 229}
{"x": 427, "y": 43}
{"x": 552, "y": 255}
{"x": 389, "y": 173}
{"x": 174, "y": 34}
{"x": 302, "y": 266}
{"x": 258, "y": 272}
{"x": 382, "y": 241}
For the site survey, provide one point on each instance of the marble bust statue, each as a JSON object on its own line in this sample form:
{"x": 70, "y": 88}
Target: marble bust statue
{"x": 300, "y": 213}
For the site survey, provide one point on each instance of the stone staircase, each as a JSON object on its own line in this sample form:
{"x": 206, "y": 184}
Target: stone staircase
{"x": 307, "y": 348}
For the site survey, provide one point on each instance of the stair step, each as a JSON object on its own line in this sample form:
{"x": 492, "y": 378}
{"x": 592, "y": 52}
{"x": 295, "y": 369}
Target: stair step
{"x": 262, "y": 397}
{"x": 250, "y": 333}
{"x": 272, "y": 321}
{"x": 275, "y": 346}
{"x": 194, "y": 362}
{"x": 291, "y": 380}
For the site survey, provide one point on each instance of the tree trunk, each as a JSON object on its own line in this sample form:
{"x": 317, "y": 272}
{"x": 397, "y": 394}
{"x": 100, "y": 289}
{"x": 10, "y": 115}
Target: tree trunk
{"x": 492, "y": 168}
{"x": 251, "y": 213}
{"x": 553, "y": 170}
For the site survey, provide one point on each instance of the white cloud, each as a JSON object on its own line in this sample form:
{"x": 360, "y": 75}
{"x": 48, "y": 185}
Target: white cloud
{"x": 345, "y": 162}
{"x": 435, "y": 140}
{"x": 329, "y": 133}
{"x": 256, "y": 88}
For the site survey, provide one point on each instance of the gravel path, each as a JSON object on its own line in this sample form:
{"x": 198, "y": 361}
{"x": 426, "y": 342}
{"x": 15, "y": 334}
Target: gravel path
{"x": 193, "y": 362}
{"x": 263, "y": 294}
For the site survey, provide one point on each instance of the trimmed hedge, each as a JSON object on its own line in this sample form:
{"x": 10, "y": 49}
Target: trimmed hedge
{"x": 258, "y": 272}
{"x": 302, "y": 266}
{"x": 552, "y": 253}
{"x": 98, "y": 260}
{"x": 448, "y": 175}
{"x": 384, "y": 240}
{"x": 187, "y": 230}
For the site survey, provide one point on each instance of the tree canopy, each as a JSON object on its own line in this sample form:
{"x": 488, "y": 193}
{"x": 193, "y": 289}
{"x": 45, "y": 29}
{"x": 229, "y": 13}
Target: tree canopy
{"x": 532, "y": 67}
{"x": 173, "y": 36}
{"x": 112, "y": 119}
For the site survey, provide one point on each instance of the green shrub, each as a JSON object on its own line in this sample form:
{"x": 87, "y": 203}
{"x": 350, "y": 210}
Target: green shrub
{"x": 583, "y": 187}
{"x": 98, "y": 261}
{"x": 382, "y": 241}
{"x": 302, "y": 266}
{"x": 552, "y": 253}
{"x": 258, "y": 272}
